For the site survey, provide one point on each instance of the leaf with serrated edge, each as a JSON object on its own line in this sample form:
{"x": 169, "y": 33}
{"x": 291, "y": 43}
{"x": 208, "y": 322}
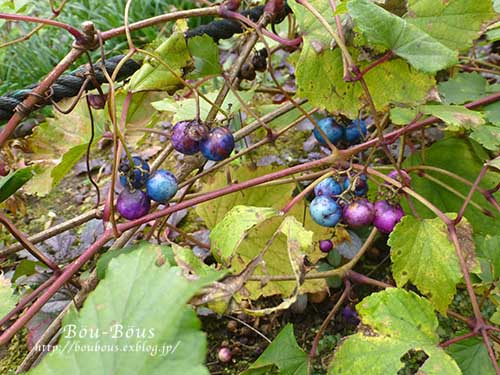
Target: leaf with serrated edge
{"x": 140, "y": 291}
{"x": 404, "y": 39}
{"x": 454, "y": 23}
{"x": 422, "y": 254}
{"x": 463, "y": 88}
{"x": 401, "y": 321}
{"x": 284, "y": 353}
{"x": 455, "y": 116}
{"x": 472, "y": 356}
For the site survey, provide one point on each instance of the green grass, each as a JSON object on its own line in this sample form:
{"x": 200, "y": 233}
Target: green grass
{"x": 27, "y": 62}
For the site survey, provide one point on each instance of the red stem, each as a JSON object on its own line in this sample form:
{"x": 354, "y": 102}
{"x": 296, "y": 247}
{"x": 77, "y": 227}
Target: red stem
{"x": 72, "y": 30}
{"x": 454, "y": 340}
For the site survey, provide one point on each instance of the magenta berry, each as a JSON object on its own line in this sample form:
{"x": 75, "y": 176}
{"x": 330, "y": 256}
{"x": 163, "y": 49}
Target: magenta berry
{"x": 218, "y": 145}
{"x": 406, "y": 180}
{"x": 359, "y": 213}
{"x": 225, "y": 354}
{"x": 132, "y": 204}
{"x": 325, "y": 246}
{"x": 387, "y": 216}
{"x": 186, "y": 136}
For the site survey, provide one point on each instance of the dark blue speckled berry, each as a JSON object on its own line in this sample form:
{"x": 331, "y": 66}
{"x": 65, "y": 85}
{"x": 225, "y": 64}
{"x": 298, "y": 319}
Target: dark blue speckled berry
{"x": 161, "y": 186}
{"x": 136, "y": 177}
{"x": 361, "y": 187}
{"x": 355, "y": 131}
{"x": 334, "y": 132}
{"x": 325, "y": 211}
{"x": 328, "y": 187}
{"x": 218, "y": 145}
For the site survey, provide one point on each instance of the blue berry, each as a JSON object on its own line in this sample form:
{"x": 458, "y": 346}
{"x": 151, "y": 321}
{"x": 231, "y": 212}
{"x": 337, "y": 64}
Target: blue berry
{"x": 135, "y": 177}
{"x": 361, "y": 187}
{"x": 355, "y": 131}
{"x": 328, "y": 187}
{"x": 161, "y": 186}
{"x": 132, "y": 204}
{"x": 334, "y": 132}
{"x": 325, "y": 211}
{"x": 218, "y": 145}
{"x": 186, "y": 136}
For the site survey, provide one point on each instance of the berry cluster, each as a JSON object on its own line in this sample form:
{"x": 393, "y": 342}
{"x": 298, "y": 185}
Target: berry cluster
{"x": 190, "y": 137}
{"x": 330, "y": 206}
{"x": 133, "y": 202}
{"x": 336, "y": 132}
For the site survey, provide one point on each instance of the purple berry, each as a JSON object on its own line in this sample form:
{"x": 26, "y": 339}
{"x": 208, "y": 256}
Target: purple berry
{"x": 359, "y": 213}
{"x": 328, "y": 187}
{"x": 387, "y": 216}
{"x": 186, "y": 136}
{"x": 333, "y": 131}
{"x": 325, "y": 211}
{"x": 355, "y": 131}
{"x": 361, "y": 187}
{"x": 325, "y": 246}
{"x": 161, "y": 186}
{"x": 218, "y": 145}
{"x": 135, "y": 177}
{"x": 350, "y": 315}
{"x": 395, "y": 175}
{"x": 225, "y": 355}
{"x": 132, "y": 204}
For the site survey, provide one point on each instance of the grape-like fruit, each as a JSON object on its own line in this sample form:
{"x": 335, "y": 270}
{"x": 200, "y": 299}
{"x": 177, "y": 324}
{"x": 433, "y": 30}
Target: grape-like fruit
{"x": 355, "y": 131}
{"x": 161, "y": 186}
{"x": 406, "y": 180}
{"x": 325, "y": 246}
{"x": 135, "y": 177}
{"x": 359, "y": 213}
{"x": 328, "y": 187}
{"x": 225, "y": 354}
{"x": 186, "y": 136}
{"x": 218, "y": 145}
{"x": 325, "y": 211}
{"x": 361, "y": 187}
{"x": 387, "y": 216}
{"x": 132, "y": 204}
{"x": 333, "y": 131}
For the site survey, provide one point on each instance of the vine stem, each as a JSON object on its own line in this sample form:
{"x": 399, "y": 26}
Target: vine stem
{"x": 326, "y": 322}
{"x": 80, "y": 38}
{"x": 454, "y": 340}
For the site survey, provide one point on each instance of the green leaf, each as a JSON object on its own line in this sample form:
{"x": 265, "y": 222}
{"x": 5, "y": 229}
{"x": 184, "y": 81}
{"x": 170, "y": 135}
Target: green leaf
{"x": 154, "y": 75}
{"x": 398, "y": 321}
{"x": 403, "y": 116}
{"x": 14, "y": 181}
{"x": 487, "y": 136}
{"x": 186, "y": 109}
{"x": 205, "y": 53}
{"x": 26, "y": 268}
{"x": 142, "y": 294}
{"x": 454, "y": 23}
{"x": 213, "y": 211}
{"x": 193, "y": 265}
{"x": 490, "y": 256}
{"x": 53, "y": 139}
{"x": 455, "y": 116}
{"x": 472, "y": 357}
{"x": 232, "y": 229}
{"x": 463, "y": 88}
{"x": 492, "y": 113}
{"x": 7, "y": 299}
{"x": 422, "y": 254}
{"x": 404, "y": 39}
{"x": 443, "y": 155}
{"x": 283, "y": 353}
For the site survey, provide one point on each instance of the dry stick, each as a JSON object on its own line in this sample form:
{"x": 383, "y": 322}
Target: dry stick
{"x": 53, "y": 231}
{"x": 27, "y": 244}
{"x": 325, "y": 323}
